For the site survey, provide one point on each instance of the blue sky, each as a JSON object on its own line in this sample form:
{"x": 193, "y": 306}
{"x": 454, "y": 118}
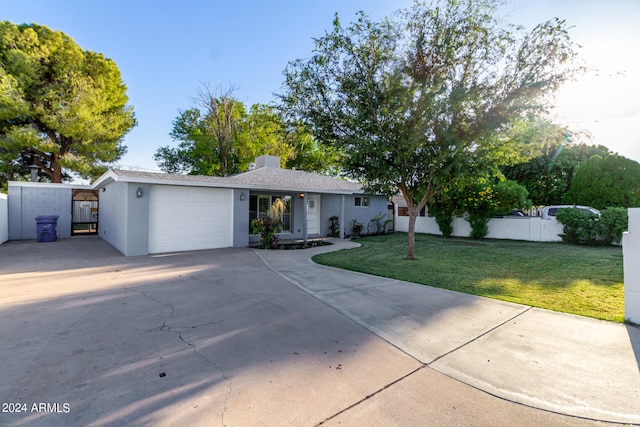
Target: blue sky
{"x": 165, "y": 49}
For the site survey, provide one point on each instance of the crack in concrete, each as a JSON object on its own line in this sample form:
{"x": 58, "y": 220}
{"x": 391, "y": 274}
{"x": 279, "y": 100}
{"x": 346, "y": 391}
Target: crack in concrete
{"x": 369, "y": 396}
{"x": 477, "y": 337}
{"x": 177, "y": 330}
{"x": 209, "y": 361}
{"x": 426, "y": 365}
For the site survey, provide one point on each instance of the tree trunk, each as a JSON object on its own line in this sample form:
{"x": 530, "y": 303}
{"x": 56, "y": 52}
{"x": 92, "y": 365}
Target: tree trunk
{"x": 49, "y": 165}
{"x": 65, "y": 145}
{"x": 56, "y": 172}
{"x": 223, "y": 163}
{"x": 411, "y": 236}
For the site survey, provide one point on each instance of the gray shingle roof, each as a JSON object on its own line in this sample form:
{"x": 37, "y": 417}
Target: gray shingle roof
{"x": 296, "y": 180}
{"x": 156, "y": 176}
{"x": 265, "y": 178}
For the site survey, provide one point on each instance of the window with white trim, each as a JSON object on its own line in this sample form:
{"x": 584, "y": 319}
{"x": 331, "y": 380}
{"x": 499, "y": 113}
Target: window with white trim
{"x": 260, "y": 205}
{"x": 362, "y": 201}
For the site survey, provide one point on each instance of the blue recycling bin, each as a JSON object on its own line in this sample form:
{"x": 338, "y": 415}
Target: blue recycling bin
{"x": 46, "y": 226}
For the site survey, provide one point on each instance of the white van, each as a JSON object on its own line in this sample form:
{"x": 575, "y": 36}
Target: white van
{"x": 549, "y": 212}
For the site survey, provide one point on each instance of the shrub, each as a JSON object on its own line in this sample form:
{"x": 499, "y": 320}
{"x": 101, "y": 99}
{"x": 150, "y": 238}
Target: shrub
{"x": 443, "y": 216}
{"x": 445, "y": 222}
{"x": 269, "y": 227}
{"x": 357, "y": 227}
{"x": 334, "y": 227}
{"x": 268, "y": 230}
{"x": 614, "y": 221}
{"x": 584, "y": 227}
{"x": 380, "y": 223}
{"x": 578, "y": 225}
{"x": 479, "y": 226}
{"x": 483, "y": 199}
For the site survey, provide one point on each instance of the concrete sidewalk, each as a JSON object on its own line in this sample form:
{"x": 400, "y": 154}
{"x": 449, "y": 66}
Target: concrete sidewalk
{"x": 557, "y": 362}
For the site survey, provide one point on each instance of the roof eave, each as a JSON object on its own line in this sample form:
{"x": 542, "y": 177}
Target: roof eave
{"x": 148, "y": 180}
{"x": 302, "y": 190}
{"x": 112, "y": 176}
{"x": 104, "y": 179}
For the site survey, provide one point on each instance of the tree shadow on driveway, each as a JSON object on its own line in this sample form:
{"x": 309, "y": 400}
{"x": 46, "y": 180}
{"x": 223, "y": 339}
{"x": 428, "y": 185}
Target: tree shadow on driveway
{"x": 196, "y": 338}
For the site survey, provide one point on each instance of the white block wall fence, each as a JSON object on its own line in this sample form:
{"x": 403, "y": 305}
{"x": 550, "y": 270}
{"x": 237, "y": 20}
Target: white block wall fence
{"x": 631, "y": 256}
{"x": 534, "y": 229}
{"x": 4, "y": 219}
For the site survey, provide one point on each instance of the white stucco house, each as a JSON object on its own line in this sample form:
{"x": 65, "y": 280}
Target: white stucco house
{"x": 141, "y": 213}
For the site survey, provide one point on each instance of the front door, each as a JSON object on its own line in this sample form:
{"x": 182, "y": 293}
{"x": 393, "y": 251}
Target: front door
{"x": 313, "y": 214}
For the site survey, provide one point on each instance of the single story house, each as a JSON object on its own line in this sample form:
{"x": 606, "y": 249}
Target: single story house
{"x": 142, "y": 213}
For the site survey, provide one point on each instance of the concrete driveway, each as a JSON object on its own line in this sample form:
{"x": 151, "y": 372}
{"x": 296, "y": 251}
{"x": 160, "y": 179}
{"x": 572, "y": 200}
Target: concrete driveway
{"x": 218, "y": 337}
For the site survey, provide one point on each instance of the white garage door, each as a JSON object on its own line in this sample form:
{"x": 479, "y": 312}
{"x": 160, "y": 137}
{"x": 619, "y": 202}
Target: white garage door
{"x": 189, "y": 218}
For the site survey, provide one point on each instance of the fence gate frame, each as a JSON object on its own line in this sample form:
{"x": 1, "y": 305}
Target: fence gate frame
{"x": 84, "y": 212}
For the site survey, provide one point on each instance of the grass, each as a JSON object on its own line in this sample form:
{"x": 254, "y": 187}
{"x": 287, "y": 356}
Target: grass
{"x": 587, "y": 281}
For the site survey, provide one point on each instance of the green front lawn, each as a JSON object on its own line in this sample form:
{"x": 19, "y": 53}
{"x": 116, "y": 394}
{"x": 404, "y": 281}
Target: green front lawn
{"x": 582, "y": 280}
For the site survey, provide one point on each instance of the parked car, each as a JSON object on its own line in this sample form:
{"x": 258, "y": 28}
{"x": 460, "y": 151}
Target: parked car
{"x": 515, "y": 213}
{"x": 549, "y": 212}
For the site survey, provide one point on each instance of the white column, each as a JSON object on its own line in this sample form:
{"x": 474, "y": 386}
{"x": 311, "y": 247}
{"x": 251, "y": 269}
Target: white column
{"x": 305, "y": 225}
{"x": 631, "y": 256}
{"x": 341, "y": 219}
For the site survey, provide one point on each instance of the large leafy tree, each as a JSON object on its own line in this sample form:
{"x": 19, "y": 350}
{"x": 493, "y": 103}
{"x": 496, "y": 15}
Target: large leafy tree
{"x": 416, "y": 103}
{"x": 219, "y": 136}
{"x": 612, "y": 181}
{"x": 61, "y": 107}
{"x": 308, "y": 154}
{"x": 207, "y": 135}
{"x": 548, "y": 172}
{"x": 264, "y": 131}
